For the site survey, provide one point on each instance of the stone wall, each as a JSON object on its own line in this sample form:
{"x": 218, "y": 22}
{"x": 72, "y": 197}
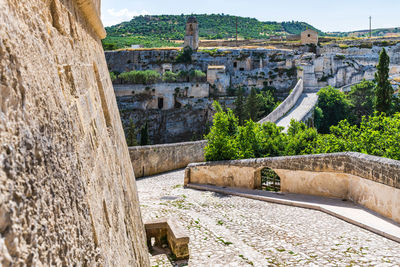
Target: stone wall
{"x": 161, "y": 95}
{"x": 286, "y": 105}
{"x": 68, "y": 192}
{"x": 150, "y": 160}
{"x": 371, "y": 181}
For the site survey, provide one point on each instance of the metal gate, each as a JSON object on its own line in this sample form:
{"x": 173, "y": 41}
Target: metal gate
{"x": 270, "y": 181}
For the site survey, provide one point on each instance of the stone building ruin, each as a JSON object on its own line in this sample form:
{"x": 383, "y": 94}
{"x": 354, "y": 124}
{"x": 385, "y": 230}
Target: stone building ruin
{"x": 309, "y": 37}
{"x": 192, "y": 33}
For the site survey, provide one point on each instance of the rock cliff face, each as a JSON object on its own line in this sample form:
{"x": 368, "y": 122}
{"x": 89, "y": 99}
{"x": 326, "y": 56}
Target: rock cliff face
{"x": 67, "y": 192}
{"x": 188, "y": 123}
{"x": 244, "y": 67}
{"x": 338, "y": 67}
{"x": 330, "y": 64}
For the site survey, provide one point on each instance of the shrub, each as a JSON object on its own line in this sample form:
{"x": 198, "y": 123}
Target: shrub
{"x": 170, "y": 77}
{"x": 140, "y": 77}
{"x": 340, "y": 57}
{"x": 197, "y": 76}
{"x": 185, "y": 55}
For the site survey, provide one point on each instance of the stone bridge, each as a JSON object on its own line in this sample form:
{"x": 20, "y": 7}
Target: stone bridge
{"x": 299, "y": 105}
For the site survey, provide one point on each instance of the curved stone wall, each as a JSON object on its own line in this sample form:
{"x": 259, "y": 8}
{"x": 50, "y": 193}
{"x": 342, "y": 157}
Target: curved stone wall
{"x": 371, "y": 181}
{"x": 286, "y": 105}
{"x": 150, "y": 160}
{"x": 68, "y": 192}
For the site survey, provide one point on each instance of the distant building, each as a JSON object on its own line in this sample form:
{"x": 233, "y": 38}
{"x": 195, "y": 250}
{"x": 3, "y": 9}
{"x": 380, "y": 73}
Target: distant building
{"x": 309, "y": 37}
{"x": 276, "y": 38}
{"x": 166, "y": 67}
{"x": 192, "y": 33}
{"x": 293, "y": 37}
{"x": 136, "y": 46}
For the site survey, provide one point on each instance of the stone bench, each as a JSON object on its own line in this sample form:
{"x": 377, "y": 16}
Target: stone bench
{"x": 168, "y": 232}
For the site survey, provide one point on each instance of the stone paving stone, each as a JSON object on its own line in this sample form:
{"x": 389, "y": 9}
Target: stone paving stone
{"x": 234, "y": 231}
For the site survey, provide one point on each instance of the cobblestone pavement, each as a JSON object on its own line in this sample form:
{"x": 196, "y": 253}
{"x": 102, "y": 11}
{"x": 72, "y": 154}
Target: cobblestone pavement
{"x": 234, "y": 231}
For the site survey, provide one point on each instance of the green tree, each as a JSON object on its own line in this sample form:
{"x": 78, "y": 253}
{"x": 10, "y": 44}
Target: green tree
{"x": 240, "y": 106}
{"x": 361, "y": 97}
{"x": 383, "y": 89}
{"x": 140, "y": 76}
{"x": 197, "y": 76}
{"x": 266, "y": 103}
{"x": 170, "y": 77}
{"x": 272, "y": 140}
{"x": 131, "y": 134}
{"x": 252, "y": 106}
{"x": 247, "y": 140}
{"x": 301, "y": 139}
{"x": 222, "y": 144}
{"x": 144, "y": 135}
{"x": 185, "y": 56}
{"x": 334, "y": 106}
{"x": 318, "y": 117}
{"x": 395, "y": 104}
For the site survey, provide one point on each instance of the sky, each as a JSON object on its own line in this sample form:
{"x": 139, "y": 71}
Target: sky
{"x": 326, "y": 15}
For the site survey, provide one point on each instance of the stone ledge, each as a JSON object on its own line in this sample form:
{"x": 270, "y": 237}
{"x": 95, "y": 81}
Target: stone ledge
{"x": 150, "y": 147}
{"x": 167, "y": 231}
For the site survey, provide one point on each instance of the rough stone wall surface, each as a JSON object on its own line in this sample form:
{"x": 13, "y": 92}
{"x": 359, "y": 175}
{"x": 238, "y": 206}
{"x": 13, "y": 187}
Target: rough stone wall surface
{"x": 67, "y": 193}
{"x": 149, "y": 160}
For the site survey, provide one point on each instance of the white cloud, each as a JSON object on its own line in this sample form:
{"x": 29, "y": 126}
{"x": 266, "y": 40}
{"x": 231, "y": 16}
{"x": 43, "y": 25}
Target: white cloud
{"x": 112, "y": 16}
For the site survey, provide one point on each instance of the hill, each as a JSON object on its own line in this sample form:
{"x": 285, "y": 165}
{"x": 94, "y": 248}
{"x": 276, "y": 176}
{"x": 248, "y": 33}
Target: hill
{"x": 381, "y": 32}
{"x": 158, "y": 30}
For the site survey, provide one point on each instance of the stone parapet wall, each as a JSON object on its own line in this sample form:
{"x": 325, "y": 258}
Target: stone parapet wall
{"x": 68, "y": 191}
{"x": 370, "y": 181}
{"x": 377, "y": 169}
{"x": 150, "y": 160}
{"x": 286, "y": 105}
